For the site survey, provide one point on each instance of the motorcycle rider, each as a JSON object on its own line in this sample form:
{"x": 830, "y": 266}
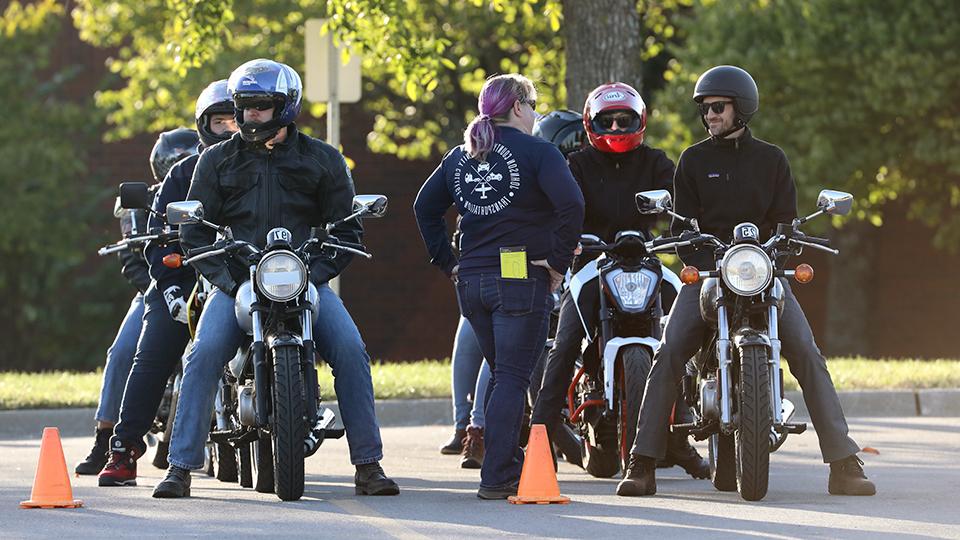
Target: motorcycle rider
{"x": 610, "y": 171}
{"x": 272, "y": 174}
{"x": 170, "y": 147}
{"x": 165, "y": 332}
{"x": 729, "y": 178}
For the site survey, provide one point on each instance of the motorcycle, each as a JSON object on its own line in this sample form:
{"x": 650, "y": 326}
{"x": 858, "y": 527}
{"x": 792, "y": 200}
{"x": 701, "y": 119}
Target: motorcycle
{"x": 272, "y": 391}
{"x": 735, "y": 383}
{"x": 603, "y": 399}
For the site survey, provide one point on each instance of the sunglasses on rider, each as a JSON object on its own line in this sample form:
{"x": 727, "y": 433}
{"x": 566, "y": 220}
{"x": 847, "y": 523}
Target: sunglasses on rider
{"x": 531, "y": 102}
{"x": 259, "y": 105}
{"x": 624, "y": 120}
{"x": 717, "y": 107}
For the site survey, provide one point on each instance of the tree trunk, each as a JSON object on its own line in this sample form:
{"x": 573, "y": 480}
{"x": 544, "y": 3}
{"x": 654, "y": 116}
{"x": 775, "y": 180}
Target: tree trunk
{"x": 604, "y": 43}
{"x": 849, "y": 290}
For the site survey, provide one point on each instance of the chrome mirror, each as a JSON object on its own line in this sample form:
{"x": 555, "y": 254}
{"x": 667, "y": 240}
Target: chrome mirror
{"x": 837, "y": 203}
{"x": 370, "y": 205}
{"x": 182, "y": 212}
{"x": 655, "y": 201}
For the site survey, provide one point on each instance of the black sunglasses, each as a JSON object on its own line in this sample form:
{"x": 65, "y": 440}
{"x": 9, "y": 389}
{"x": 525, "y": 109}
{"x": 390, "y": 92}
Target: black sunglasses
{"x": 626, "y": 121}
{"x": 717, "y": 106}
{"x": 531, "y": 102}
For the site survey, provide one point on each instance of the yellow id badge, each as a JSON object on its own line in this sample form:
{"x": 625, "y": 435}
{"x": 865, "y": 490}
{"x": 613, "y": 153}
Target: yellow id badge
{"x": 513, "y": 263}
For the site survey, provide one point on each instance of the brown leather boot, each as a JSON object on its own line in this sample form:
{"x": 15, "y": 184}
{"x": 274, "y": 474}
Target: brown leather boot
{"x": 472, "y": 449}
{"x": 640, "y": 479}
{"x": 847, "y": 478}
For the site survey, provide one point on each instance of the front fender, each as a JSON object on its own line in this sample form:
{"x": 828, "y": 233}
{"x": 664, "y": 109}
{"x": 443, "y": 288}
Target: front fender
{"x": 610, "y": 352}
{"x": 748, "y": 336}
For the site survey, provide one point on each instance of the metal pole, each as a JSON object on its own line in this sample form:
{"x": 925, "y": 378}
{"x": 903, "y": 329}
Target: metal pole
{"x": 333, "y": 114}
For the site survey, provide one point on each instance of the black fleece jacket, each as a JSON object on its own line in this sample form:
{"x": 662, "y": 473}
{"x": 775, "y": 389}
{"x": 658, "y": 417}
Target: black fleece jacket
{"x": 723, "y": 183}
{"x": 610, "y": 182}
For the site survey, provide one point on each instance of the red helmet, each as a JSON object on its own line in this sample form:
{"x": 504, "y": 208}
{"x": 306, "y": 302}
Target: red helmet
{"x": 600, "y": 110}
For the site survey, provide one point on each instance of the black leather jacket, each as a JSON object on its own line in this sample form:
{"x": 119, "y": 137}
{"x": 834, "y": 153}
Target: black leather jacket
{"x": 301, "y": 183}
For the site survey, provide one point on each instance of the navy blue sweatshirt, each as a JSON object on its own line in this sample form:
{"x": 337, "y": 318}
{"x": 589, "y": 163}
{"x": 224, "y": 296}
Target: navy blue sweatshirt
{"x": 173, "y": 189}
{"x": 523, "y": 195}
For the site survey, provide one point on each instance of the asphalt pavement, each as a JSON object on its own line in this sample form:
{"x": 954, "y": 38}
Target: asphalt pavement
{"x": 915, "y": 472}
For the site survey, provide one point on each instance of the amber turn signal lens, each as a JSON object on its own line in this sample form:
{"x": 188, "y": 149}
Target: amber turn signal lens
{"x": 804, "y": 273}
{"x": 173, "y": 260}
{"x": 689, "y": 275}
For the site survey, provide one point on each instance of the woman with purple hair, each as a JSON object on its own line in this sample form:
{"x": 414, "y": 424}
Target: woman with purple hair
{"x": 521, "y": 216}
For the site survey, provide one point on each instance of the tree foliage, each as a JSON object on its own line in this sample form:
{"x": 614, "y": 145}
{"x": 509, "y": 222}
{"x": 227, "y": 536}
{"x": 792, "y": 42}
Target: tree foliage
{"x": 861, "y": 94}
{"x": 50, "y": 306}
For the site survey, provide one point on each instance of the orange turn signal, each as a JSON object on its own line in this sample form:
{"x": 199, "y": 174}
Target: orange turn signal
{"x": 689, "y": 275}
{"x": 173, "y": 260}
{"x": 804, "y": 273}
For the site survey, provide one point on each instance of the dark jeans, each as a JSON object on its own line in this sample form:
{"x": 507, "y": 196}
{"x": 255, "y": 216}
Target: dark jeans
{"x": 562, "y": 358}
{"x": 510, "y": 318}
{"x": 159, "y": 350}
{"x": 681, "y": 340}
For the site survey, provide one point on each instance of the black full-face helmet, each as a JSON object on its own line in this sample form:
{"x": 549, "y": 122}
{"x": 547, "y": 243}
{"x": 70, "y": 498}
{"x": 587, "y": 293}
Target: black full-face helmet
{"x": 171, "y": 147}
{"x": 215, "y": 99}
{"x": 564, "y": 128}
{"x": 731, "y": 82}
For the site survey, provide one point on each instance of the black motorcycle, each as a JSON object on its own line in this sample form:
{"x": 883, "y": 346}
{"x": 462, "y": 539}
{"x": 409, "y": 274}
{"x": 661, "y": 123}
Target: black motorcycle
{"x": 273, "y": 382}
{"x": 735, "y": 383}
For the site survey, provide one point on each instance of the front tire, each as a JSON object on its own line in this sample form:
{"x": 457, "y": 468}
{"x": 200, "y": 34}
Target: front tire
{"x": 753, "y": 436}
{"x": 636, "y": 361}
{"x": 289, "y": 423}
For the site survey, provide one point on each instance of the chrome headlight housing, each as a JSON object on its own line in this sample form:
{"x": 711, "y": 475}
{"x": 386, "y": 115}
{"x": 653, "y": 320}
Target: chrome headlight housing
{"x": 281, "y": 276}
{"x": 633, "y": 290}
{"x": 746, "y": 269}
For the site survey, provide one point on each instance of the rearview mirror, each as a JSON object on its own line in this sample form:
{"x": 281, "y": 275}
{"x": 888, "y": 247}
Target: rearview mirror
{"x": 182, "y": 212}
{"x": 837, "y": 203}
{"x": 134, "y": 196}
{"x": 653, "y": 202}
{"x": 370, "y": 205}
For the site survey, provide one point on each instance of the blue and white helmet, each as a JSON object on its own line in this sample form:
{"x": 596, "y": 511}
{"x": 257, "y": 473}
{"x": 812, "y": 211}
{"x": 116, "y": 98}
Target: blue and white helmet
{"x": 261, "y": 80}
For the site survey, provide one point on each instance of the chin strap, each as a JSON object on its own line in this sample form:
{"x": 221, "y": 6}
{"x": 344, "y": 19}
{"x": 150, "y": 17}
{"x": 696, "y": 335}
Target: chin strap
{"x": 738, "y": 125}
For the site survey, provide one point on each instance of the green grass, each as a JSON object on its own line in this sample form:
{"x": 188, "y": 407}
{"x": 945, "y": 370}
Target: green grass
{"x": 431, "y": 379}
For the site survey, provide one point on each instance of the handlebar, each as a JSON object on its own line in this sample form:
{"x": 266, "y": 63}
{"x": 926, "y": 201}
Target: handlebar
{"x": 128, "y": 243}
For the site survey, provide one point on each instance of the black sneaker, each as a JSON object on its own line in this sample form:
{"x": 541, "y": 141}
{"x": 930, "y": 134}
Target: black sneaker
{"x": 99, "y": 454}
{"x": 847, "y": 478}
{"x": 176, "y": 485}
{"x": 498, "y": 494}
{"x": 371, "y": 480}
{"x": 640, "y": 479}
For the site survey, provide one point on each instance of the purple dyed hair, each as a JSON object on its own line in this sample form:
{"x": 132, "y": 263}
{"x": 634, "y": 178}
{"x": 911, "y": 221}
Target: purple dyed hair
{"x": 497, "y": 97}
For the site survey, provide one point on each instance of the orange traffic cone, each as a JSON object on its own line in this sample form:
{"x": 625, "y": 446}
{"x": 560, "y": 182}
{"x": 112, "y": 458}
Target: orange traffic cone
{"x": 51, "y": 486}
{"x": 538, "y": 480}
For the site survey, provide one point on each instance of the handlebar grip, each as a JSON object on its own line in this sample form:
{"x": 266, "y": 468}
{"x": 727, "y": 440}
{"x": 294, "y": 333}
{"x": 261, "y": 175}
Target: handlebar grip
{"x": 360, "y": 247}
{"x": 201, "y": 250}
{"x": 664, "y": 241}
{"x": 825, "y": 242}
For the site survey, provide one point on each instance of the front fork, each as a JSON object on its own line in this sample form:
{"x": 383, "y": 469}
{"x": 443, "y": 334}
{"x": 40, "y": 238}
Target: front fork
{"x": 309, "y": 365}
{"x": 773, "y": 324}
{"x": 724, "y": 361}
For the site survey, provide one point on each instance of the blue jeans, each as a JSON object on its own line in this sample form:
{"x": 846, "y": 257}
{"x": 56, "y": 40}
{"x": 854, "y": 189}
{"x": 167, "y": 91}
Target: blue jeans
{"x": 511, "y": 320}
{"x": 336, "y": 339}
{"x": 159, "y": 350}
{"x": 470, "y": 374}
{"x": 119, "y": 359}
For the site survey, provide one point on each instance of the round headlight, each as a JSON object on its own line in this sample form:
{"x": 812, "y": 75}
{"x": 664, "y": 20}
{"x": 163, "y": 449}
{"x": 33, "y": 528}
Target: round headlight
{"x": 281, "y": 276}
{"x": 746, "y": 270}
